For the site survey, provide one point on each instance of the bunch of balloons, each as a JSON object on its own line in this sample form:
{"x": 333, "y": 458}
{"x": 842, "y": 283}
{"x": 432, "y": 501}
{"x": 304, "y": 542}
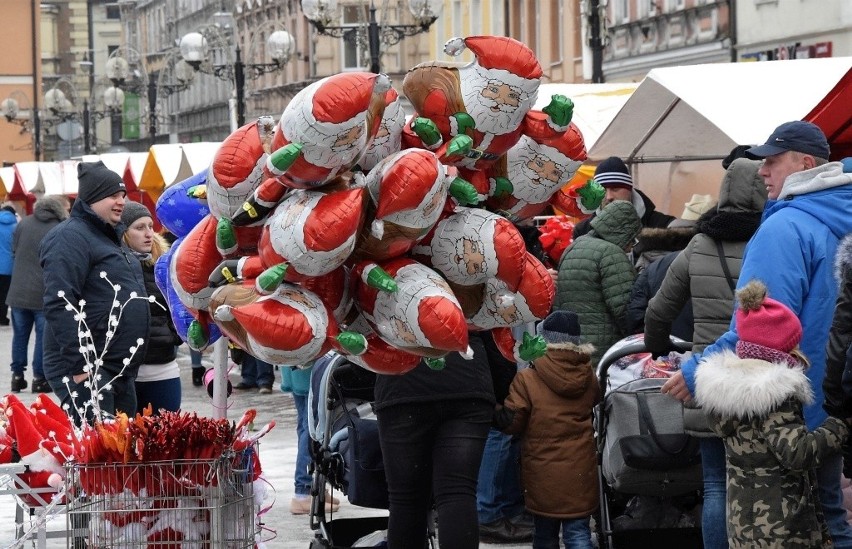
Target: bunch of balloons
{"x": 345, "y": 225}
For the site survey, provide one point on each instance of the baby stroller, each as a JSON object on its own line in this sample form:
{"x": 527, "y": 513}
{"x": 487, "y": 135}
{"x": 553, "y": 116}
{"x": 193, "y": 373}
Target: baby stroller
{"x": 650, "y": 470}
{"x": 345, "y": 451}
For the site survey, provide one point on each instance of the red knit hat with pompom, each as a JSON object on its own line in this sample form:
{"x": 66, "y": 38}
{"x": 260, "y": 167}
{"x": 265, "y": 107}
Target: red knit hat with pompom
{"x": 765, "y": 325}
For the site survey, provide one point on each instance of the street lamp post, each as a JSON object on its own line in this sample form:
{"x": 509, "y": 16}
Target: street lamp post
{"x": 322, "y": 13}
{"x": 194, "y": 50}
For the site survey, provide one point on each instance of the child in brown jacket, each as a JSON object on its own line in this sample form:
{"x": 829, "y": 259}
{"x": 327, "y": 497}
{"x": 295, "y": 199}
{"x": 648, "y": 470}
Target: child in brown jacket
{"x": 550, "y": 406}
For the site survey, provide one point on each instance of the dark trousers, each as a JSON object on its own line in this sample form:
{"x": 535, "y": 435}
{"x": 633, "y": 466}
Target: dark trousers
{"x": 5, "y": 280}
{"x": 120, "y": 397}
{"x": 163, "y": 394}
{"x": 433, "y": 450}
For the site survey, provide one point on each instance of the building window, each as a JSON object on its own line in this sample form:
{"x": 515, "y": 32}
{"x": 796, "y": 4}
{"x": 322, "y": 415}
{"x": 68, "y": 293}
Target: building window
{"x": 476, "y": 17}
{"x": 352, "y": 53}
{"x": 557, "y": 41}
{"x": 622, "y": 13}
{"x": 113, "y": 12}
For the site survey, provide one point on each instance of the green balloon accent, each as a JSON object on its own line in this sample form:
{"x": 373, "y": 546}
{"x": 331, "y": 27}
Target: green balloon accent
{"x": 435, "y": 363}
{"x": 190, "y": 192}
{"x": 465, "y": 122}
{"x": 195, "y": 336}
{"x": 353, "y": 342}
{"x": 379, "y": 279}
{"x": 426, "y": 130}
{"x": 532, "y": 347}
{"x": 502, "y": 187}
{"x": 560, "y": 110}
{"x": 271, "y": 278}
{"x": 226, "y": 237}
{"x": 591, "y": 194}
{"x": 463, "y": 191}
{"x": 459, "y": 145}
{"x": 284, "y": 157}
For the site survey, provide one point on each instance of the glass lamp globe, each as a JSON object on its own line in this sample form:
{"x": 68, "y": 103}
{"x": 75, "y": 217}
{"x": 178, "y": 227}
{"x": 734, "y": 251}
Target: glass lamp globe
{"x": 114, "y": 98}
{"x": 9, "y": 108}
{"x": 324, "y": 12}
{"x": 117, "y": 69}
{"x": 54, "y": 99}
{"x": 280, "y": 46}
{"x": 193, "y": 48}
{"x": 425, "y": 10}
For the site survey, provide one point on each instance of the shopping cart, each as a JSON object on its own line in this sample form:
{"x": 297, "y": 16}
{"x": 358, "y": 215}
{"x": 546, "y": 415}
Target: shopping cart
{"x": 192, "y": 504}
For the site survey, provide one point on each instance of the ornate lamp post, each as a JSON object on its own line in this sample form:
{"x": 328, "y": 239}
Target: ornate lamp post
{"x": 195, "y": 51}
{"x": 322, "y": 13}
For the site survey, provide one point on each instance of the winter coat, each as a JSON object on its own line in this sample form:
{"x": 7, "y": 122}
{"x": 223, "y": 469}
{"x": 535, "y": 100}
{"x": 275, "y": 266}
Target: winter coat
{"x": 460, "y": 379}
{"x": 793, "y": 253}
{"x": 772, "y": 498}
{"x": 595, "y": 276}
{"x": 8, "y": 222}
{"x": 74, "y": 254}
{"x": 697, "y": 275}
{"x": 837, "y": 384}
{"x": 645, "y": 209}
{"x": 656, "y": 242}
{"x": 26, "y": 290}
{"x": 162, "y": 335}
{"x": 645, "y": 287}
{"x": 550, "y": 406}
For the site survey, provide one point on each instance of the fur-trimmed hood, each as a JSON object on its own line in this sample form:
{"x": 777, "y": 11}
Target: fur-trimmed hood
{"x": 564, "y": 369}
{"x": 843, "y": 259}
{"x": 728, "y": 386}
{"x": 728, "y": 225}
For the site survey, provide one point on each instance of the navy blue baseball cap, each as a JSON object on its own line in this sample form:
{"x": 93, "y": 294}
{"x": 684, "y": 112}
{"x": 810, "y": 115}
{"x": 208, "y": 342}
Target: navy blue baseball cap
{"x": 798, "y": 136}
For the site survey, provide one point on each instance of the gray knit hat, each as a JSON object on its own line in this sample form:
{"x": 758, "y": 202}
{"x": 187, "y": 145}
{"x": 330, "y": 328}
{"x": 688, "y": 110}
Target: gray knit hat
{"x": 560, "y": 327}
{"x": 133, "y": 211}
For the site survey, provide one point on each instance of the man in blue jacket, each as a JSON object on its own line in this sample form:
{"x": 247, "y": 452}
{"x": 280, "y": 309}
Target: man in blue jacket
{"x": 81, "y": 257}
{"x": 808, "y": 213}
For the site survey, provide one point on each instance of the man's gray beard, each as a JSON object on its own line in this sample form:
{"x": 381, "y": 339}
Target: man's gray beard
{"x": 533, "y": 193}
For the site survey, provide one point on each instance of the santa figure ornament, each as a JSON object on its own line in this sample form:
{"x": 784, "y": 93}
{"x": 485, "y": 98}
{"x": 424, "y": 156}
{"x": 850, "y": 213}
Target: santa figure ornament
{"x": 323, "y": 132}
{"x": 473, "y": 114}
{"x": 389, "y": 137}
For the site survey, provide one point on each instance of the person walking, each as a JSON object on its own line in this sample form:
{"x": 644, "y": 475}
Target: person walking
{"x": 27, "y": 288}
{"x": 158, "y": 379}
{"x": 432, "y": 429}
{"x": 256, "y": 374}
{"x": 550, "y": 406}
{"x": 770, "y": 452}
{"x": 77, "y": 256}
{"x": 793, "y": 253}
{"x": 705, "y": 274}
{"x": 595, "y": 276}
{"x": 8, "y": 222}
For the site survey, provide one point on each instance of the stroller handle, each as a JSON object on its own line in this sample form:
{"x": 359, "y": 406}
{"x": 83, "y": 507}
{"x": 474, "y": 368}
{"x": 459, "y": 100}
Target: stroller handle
{"x": 678, "y": 345}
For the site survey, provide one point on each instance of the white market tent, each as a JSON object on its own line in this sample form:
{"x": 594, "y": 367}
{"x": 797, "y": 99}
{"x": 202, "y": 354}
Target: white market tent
{"x": 595, "y": 105}
{"x": 169, "y": 164}
{"x": 680, "y": 121}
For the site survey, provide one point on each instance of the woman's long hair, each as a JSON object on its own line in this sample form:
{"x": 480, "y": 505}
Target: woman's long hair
{"x": 158, "y": 247}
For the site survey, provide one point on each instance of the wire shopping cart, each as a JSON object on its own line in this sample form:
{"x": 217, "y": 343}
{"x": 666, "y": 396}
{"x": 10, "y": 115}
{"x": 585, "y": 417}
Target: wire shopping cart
{"x": 193, "y": 504}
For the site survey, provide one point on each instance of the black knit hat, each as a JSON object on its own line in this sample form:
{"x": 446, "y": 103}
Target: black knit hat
{"x": 97, "y": 182}
{"x": 613, "y": 172}
{"x": 560, "y": 327}
{"x": 133, "y": 211}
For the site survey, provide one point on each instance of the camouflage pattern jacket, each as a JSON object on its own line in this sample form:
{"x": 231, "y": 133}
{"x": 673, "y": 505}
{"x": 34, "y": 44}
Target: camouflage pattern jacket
{"x": 771, "y": 456}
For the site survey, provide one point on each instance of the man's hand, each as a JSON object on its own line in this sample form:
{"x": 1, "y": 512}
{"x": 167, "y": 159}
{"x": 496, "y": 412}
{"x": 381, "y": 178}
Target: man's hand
{"x": 80, "y": 378}
{"x": 676, "y": 387}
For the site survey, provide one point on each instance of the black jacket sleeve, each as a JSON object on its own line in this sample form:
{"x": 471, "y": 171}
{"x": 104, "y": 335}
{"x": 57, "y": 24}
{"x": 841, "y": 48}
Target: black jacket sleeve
{"x": 837, "y": 401}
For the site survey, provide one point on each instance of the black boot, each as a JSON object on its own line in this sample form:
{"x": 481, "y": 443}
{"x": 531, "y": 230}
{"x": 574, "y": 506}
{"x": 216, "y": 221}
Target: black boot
{"x": 197, "y": 376}
{"x": 40, "y": 385}
{"x": 19, "y": 383}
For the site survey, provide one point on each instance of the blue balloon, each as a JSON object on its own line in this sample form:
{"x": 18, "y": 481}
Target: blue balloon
{"x": 181, "y": 316}
{"x": 178, "y": 212}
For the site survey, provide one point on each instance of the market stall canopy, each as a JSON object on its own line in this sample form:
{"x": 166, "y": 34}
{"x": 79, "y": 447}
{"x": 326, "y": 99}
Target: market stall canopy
{"x": 595, "y": 105}
{"x": 701, "y": 112}
{"x": 168, "y": 164}
{"x": 7, "y": 180}
{"x": 135, "y": 166}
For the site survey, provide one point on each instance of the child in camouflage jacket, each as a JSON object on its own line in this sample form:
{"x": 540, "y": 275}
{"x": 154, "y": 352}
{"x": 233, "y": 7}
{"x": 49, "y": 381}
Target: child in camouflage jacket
{"x": 756, "y": 397}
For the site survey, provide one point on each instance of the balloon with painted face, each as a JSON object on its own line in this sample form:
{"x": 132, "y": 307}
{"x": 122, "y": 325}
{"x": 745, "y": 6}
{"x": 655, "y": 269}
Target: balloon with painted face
{"x": 237, "y": 167}
{"x": 536, "y": 168}
{"x": 388, "y": 139}
{"x": 407, "y": 192}
{"x": 291, "y": 325}
{"x": 313, "y": 232}
{"x": 472, "y": 245}
{"x": 421, "y": 316}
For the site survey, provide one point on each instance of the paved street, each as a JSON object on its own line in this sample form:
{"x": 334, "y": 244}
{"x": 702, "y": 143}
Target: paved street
{"x": 277, "y": 455}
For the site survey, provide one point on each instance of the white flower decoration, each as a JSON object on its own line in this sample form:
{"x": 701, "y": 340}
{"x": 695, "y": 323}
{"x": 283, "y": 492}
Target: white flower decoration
{"x": 60, "y": 293}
